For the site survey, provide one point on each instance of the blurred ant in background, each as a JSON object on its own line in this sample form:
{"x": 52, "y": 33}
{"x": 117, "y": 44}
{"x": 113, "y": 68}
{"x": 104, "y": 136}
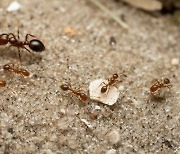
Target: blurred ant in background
{"x": 2, "y": 83}
{"x": 12, "y": 68}
{"x": 34, "y": 44}
{"x": 159, "y": 85}
{"x": 77, "y": 92}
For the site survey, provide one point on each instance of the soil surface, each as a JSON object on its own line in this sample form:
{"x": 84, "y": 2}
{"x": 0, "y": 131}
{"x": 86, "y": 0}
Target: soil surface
{"x": 36, "y": 116}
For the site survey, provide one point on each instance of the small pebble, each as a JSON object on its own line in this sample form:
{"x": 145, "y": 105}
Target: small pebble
{"x": 49, "y": 151}
{"x": 121, "y": 88}
{"x": 14, "y": 6}
{"x": 70, "y": 31}
{"x": 86, "y": 123}
{"x": 10, "y": 130}
{"x": 113, "y": 136}
{"x": 108, "y": 98}
{"x": 62, "y": 111}
{"x": 97, "y": 107}
{"x": 175, "y": 61}
{"x": 111, "y": 151}
{"x": 112, "y": 41}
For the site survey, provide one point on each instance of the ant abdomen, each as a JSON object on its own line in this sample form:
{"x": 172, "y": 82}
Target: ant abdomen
{"x": 104, "y": 89}
{"x": 24, "y": 72}
{"x": 36, "y": 45}
{"x": 2, "y": 83}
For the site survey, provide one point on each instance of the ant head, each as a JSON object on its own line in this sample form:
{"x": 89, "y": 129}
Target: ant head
{"x": 36, "y": 45}
{"x": 166, "y": 81}
{"x": 115, "y": 76}
{"x": 64, "y": 87}
{"x": 83, "y": 96}
{"x": 6, "y": 67}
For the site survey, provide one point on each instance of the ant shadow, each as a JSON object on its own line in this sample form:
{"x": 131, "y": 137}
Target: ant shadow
{"x": 11, "y": 53}
{"x": 157, "y": 99}
{"x": 7, "y": 52}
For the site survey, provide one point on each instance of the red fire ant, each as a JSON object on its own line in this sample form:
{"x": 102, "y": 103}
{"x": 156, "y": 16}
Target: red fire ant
{"x": 12, "y": 68}
{"x": 159, "y": 85}
{"x": 34, "y": 44}
{"x": 77, "y": 92}
{"x": 111, "y": 82}
{"x": 2, "y": 83}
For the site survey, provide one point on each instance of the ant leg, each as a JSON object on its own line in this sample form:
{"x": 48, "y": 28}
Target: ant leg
{"x": 102, "y": 83}
{"x": 156, "y": 82}
{"x": 19, "y": 56}
{"x": 11, "y": 34}
{"x": 169, "y": 87}
{"x": 27, "y": 50}
{"x": 122, "y": 73}
{"x": 26, "y": 39}
{"x": 11, "y": 65}
{"x": 18, "y": 34}
{"x": 79, "y": 89}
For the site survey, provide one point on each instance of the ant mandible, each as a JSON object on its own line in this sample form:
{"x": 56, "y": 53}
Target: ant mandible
{"x": 77, "y": 92}
{"x": 111, "y": 82}
{"x": 159, "y": 85}
{"x": 12, "y": 68}
{"x": 34, "y": 44}
{"x": 2, "y": 83}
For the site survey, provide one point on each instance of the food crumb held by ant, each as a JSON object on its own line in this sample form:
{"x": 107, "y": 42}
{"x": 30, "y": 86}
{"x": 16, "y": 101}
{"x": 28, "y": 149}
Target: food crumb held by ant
{"x": 110, "y": 97}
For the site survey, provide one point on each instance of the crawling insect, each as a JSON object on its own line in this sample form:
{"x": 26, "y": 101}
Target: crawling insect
{"x": 157, "y": 86}
{"x": 111, "y": 82}
{"x": 12, "y": 68}
{"x": 34, "y": 44}
{"x": 2, "y": 83}
{"x": 77, "y": 92}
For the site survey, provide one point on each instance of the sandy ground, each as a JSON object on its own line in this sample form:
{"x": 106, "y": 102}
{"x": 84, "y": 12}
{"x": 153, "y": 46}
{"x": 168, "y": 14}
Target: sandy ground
{"x": 37, "y": 117}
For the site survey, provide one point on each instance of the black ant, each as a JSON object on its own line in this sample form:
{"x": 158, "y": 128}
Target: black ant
{"x": 77, "y": 92}
{"x": 34, "y": 44}
{"x": 2, "y": 83}
{"x": 12, "y": 68}
{"x": 159, "y": 85}
{"x": 111, "y": 82}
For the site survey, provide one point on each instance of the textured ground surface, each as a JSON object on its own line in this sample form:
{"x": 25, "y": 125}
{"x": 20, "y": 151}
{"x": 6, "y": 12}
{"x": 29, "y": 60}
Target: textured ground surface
{"x": 37, "y": 117}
